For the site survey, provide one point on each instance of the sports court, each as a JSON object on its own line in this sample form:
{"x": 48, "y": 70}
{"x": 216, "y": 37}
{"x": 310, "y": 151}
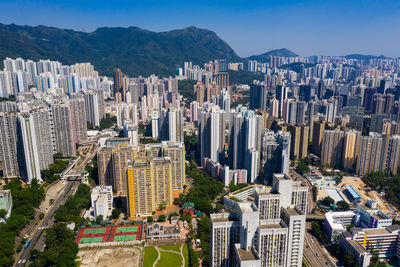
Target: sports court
{"x": 124, "y": 237}
{"x": 114, "y": 233}
{"x": 95, "y": 231}
{"x": 91, "y": 240}
{"x": 127, "y": 229}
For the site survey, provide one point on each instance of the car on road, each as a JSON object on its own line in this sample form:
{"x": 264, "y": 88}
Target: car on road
{"x": 316, "y": 254}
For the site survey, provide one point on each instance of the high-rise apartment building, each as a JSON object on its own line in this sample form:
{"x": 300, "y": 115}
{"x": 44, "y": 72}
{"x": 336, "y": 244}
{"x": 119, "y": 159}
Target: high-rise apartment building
{"x": 332, "y": 147}
{"x": 122, "y": 155}
{"x": 79, "y": 117}
{"x": 94, "y": 103}
{"x": 351, "y": 149}
{"x": 221, "y": 79}
{"x": 317, "y": 136}
{"x": 117, "y": 80}
{"x": 29, "y": 143}
{"x": 373, "y": 151}
{"x": 299, "y": 140}
{"x": 63, "y": 125}
{"x": 258, "y": 95}
{"x": 9, "y": 154}
{"x": 149, "y": 185}
{"x": 267, "y": 230}
{"x": 104, "y": 159}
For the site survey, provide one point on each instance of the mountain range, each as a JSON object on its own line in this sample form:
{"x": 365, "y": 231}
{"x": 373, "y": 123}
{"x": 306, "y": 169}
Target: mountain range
{"x": 136, "y": 51}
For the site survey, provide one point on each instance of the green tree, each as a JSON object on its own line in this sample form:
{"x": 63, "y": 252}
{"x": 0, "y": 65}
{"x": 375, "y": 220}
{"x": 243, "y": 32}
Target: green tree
{"x": 162, "y": 218}
{"x": 115, "y": 213}
{"x": 3, "y": 213}
{"x": 349, "y": 259}
{"x": 327, "y": 201}
{"x": 99, "y": 219}
{"x": 187, "y": 217}
{"x": 343, "y": 205}
{"x": 302, "y": 167}
{"x": 60, "y": 248}
{"x": 150, "y": 219}
{"x": 316, "y": 227}
{"x": 314, "y": 193}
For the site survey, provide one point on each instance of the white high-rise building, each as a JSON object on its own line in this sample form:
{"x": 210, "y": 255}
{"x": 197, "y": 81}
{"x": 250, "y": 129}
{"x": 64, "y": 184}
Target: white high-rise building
{"x": 63, "y": 133}
{"x": 30, "y": 147}
{"x": 268, "y": 231}
{"x": 8, "y": 144}
{"x": 102, "y": 199}
{"x": 94, "y": 103}
{"x": 131, "y": 131}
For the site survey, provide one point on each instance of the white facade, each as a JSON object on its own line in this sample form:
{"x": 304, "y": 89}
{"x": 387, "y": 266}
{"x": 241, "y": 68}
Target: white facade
{"x": 102, "y": 199}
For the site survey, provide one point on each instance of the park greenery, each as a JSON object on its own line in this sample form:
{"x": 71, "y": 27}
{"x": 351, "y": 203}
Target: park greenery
{"x": 105, "y": 123}
{"x": 244, "y": 77}
{"x": 70, "y": 211}
{"x": 92, "y": 170}
{"x": 186, "y": 89}
{"x": 115, "y": 213}
{"x": 190, "y": 143}
{"x": 390, "y": 184}
{"x": 314, "y": 193}
{"x": 25, "y": 200}
{"x": 302, "y": 166}
{"x": 60, "y": 249}
{"x": 204, "y": 192}
{"x": 233, "y": 187}
{"x": 296, "y": 66}
{"x": 206, "y": 189}
{"x": 51, "y": 174}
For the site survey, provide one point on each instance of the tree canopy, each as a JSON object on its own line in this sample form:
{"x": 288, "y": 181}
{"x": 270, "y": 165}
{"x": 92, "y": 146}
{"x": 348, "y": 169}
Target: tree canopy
{"x": 60, "y": 249}
{"x": 25, "y": 200}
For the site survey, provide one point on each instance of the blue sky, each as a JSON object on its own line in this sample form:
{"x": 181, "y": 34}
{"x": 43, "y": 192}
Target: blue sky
{"x": 307, "y": 27}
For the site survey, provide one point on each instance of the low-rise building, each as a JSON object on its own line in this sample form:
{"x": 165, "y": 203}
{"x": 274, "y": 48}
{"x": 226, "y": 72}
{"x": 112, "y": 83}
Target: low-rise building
{"x": 163, "y": 231}
{"x": 337, "y": 222}
{"x": 385, "y": 242}
{"x": 366, "y": 216}
{"x": 102, "y": 199}
{"x": 371, "y": 217}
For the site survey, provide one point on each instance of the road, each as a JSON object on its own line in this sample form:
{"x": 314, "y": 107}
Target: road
{"x": 37, "y": 239}
{"x": 312, "y": 248}
{"x": 46, "y": 222}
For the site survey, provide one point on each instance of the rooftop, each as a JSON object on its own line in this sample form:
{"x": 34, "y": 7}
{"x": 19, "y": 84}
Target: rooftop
{"x": 270, "y": 226}
{"x": 246, "y": 255}
{"x": 376, "y": 231}
{"x": 357, "y": 246}
{"x": 222, "y": 217}
{"x": 293, "y": 212}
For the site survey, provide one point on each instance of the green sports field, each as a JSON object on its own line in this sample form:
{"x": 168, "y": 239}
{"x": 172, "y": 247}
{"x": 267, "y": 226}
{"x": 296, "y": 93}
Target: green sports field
{"x": 91, "y": 240}
{"x": 127, "y": 229}
{"x": 95, "y": 231}
{"x": 124, "y": 237}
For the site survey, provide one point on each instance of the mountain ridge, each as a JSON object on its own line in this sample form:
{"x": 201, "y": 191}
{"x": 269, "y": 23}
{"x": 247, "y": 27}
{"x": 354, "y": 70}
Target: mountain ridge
{"x": 136, "y": 51}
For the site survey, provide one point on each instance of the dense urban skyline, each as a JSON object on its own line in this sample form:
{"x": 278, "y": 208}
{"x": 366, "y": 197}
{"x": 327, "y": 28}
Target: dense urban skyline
{"x": 125, "y": 147}
{"x": 305, "y": 27}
